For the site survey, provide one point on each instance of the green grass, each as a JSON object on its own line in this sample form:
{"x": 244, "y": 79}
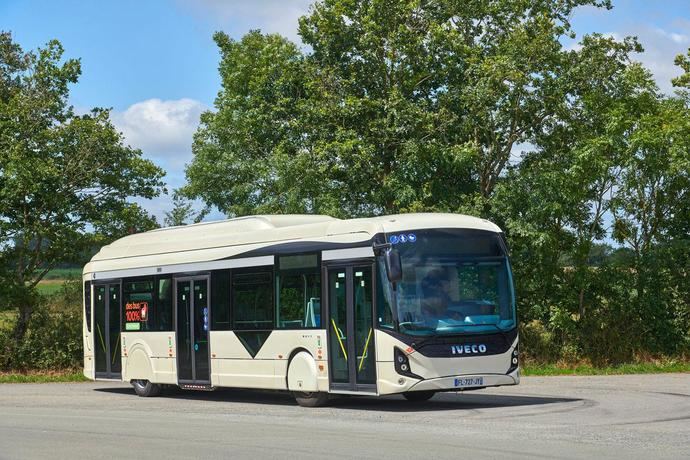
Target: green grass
{"x": 63, "y": 273}
{"x": 640, "y": 368}
{"x": 43, "y": 377}
{"x": 50, "y": 288}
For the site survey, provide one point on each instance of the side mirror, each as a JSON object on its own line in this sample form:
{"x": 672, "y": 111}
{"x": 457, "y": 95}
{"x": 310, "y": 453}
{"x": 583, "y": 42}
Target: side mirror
{"x": 393, "y": 263}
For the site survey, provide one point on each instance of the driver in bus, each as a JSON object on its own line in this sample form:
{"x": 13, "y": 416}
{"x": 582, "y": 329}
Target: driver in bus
{"x": 435, "y": 287}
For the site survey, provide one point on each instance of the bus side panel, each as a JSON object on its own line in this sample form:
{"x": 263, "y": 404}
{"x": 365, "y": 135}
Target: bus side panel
{"x": 233, "y": 366}
{"x": 149, "y": 356}
{"x": 282, "y": 343}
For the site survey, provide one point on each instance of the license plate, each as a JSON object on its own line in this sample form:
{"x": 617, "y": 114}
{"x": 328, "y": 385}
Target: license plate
{"x": 469, "y": 381}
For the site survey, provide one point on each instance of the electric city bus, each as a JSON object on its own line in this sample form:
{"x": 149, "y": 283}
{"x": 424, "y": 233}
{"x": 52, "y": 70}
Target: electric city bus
{"x": 409, "y": 304}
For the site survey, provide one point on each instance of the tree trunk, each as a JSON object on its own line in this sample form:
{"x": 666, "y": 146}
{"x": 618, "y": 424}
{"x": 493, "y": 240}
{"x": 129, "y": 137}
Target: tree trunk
{"x": 24, "y": 303}
{"x": 582, "y": 303}
{"x": 20, "y": 328}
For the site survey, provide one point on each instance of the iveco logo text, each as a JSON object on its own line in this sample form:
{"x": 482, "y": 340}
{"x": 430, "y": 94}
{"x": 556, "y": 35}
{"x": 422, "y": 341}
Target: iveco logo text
{"x": 467, "y": 349}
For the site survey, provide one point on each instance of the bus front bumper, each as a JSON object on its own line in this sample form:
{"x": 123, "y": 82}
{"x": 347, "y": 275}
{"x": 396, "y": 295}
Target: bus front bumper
{"x": 465, "y": 382}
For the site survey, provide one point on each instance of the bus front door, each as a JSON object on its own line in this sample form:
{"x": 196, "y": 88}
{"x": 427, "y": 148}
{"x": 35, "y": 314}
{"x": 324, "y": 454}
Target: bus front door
{"x": 192, "y": 313}
{"x": 352, "y": 360}
{"x": 106, "y": 331}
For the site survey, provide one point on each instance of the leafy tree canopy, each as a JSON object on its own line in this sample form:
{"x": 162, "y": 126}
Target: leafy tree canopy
{"x": 397, "y": 106}
{"x": 423, "y": 106}
{"x": 64, "y": 178}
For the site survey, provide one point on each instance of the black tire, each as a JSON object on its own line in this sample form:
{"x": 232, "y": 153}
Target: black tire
{"x": 146, "y": 389}
{"x": 419, "y": 396}
{"x": 315, "y": 399}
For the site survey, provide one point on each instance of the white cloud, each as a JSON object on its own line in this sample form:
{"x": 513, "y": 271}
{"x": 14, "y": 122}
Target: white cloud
{"x": 673, "y": 36}
{"x": 661, "y": 46}
{"x": 238, "y": 17}
{"x": 161, "y": 129}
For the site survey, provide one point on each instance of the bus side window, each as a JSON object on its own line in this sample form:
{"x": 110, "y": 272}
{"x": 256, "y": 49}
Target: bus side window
{"x": 138, "y": 306}
{"x": 164, "y": 304}
{"x": 298, "y": 292}
{"x": 252, "y": 299}
{"x": 220, "y": 300}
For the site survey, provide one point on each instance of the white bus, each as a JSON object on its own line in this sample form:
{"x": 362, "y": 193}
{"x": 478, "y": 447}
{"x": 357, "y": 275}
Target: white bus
{"x": 411, "y": 304}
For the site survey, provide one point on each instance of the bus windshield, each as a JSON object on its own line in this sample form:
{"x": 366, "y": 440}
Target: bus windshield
{"x": 454, "y": 282}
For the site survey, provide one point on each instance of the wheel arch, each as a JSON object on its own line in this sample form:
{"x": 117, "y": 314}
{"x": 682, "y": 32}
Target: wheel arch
{"x": 293, "y": 354}
{"x": 138, "y": 362}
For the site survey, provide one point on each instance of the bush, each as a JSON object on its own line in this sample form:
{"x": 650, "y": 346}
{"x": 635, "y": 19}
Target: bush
{"x": 54, "y": 335}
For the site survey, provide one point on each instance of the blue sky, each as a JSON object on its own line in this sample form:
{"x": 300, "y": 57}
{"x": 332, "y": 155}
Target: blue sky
{"x": 154, "y": 62}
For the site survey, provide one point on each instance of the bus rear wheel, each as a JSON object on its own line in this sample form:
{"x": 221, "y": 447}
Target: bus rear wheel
{"x": 418, "y": 396}
{"x": 146, "y": 389}
{"x": 312, "y": 399}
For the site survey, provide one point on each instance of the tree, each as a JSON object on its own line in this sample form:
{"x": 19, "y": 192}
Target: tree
{"x": 64, "y": 178}
{"x": 181, "y": 213}
{"x": 683, "y": 61}
{"x": 612, "y": 166}
{"x": 261, "y": 87}
{"x": 419, "y": 106}
{"x": 398, "y": 106}
{"x": 651, "y": 210}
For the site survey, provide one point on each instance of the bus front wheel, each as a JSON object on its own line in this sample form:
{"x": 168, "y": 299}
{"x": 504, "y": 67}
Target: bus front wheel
{"x": 145, "y": 388}
{"x": 312, "y": 399}
{"x": 418, "y": 396}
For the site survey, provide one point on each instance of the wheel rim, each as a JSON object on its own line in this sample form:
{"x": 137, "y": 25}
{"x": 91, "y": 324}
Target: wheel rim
{"x": 141, "y": 384}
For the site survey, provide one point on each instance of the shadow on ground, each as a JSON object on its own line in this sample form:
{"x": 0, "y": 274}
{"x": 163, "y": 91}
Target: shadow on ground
{"x": 395, "y": 403}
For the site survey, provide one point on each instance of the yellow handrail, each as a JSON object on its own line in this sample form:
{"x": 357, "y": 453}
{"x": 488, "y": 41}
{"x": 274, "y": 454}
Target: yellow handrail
{"x": 364, "y": 352}
{"x": 342, "y": 347}
{"x": 115, "y": 350}
{"x": 98, "y": 328}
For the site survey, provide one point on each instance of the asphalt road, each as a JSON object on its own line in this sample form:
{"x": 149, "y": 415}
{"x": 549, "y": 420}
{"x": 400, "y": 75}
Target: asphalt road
{"x": 636, "y": 416}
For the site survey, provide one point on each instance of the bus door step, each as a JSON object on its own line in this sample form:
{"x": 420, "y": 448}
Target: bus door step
{"x": 197, "y": 386}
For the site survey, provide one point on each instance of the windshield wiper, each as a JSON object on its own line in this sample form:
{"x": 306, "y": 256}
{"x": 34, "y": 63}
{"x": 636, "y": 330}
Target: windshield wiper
{"x": 426, "y": 339}
{"x": 503, "y": 333}
{"x": 436, "y": 334}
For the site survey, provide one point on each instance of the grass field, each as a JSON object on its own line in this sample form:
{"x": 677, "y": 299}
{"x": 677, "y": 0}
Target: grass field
{"x": 72, "y": 375}
{"x": 53, "y": 281}
{"x": 636, "y": 368}
{"x": 63, "y": 274}
{"x": 50, "y": 287}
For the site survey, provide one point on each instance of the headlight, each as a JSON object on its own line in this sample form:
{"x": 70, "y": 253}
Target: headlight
{"x": 402, "y": 364}
{"x": 514, "y": 360}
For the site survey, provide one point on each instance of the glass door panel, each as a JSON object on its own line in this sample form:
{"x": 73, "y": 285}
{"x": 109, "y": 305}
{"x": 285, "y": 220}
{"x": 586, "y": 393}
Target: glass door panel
{"x": 107, "y": 331}
{"x": 350, "y": 328}
{"x": 100, "y": 332}
{"x": 338, "y": 343}
{"x": 364, "y": 326}
{"x": 192, "y": 314}
{"x": 184, "y": 330}
{"x": 200, "y": 315}
{"x": 114, "y": 309}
